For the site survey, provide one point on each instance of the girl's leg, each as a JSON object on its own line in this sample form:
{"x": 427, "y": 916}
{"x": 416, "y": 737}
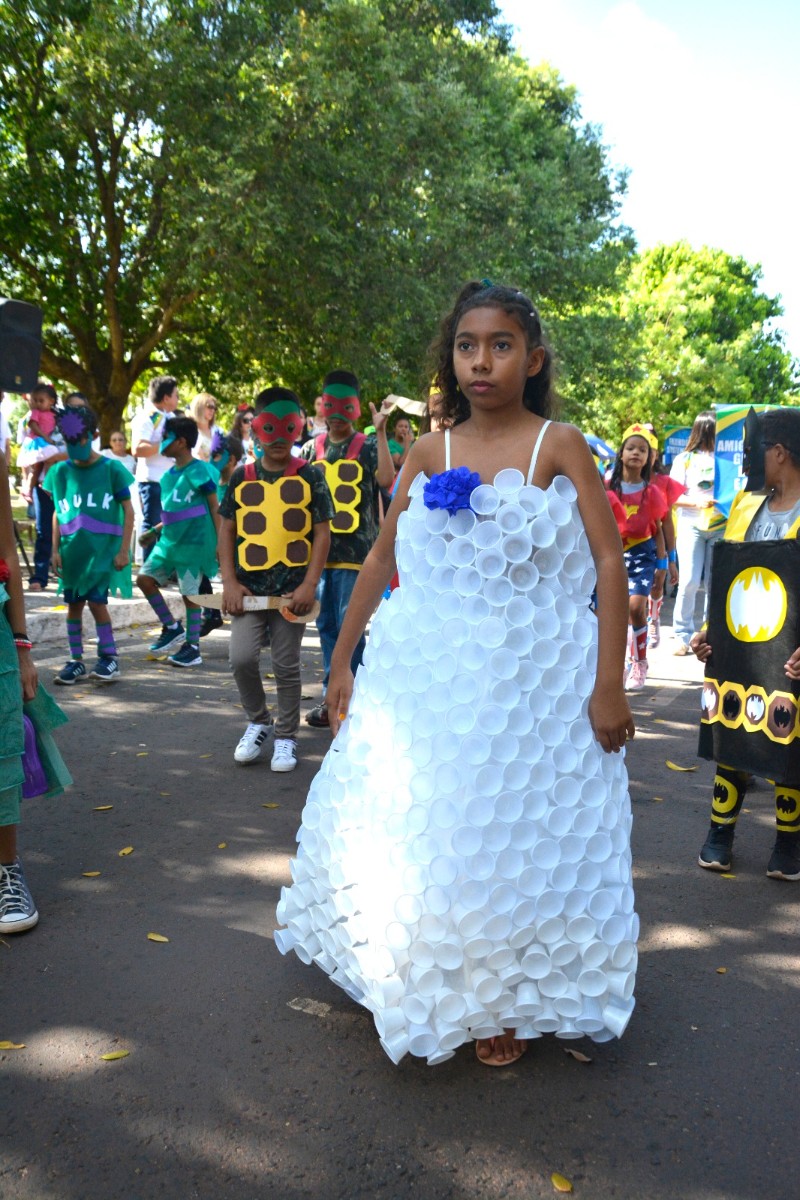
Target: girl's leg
{"x": 654, "y": 608}
{"x": 502, "y": 1050}
{"x": 194, "y": 619}
{"x": 148, "y": 586}
{"x": 691, "y": 555}
{"x": 75, "y": 630}
{"x": 106, "y": 669}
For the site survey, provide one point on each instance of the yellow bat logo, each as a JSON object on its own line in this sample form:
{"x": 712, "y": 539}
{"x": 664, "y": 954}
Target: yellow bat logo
{"x": 755, "y": 609}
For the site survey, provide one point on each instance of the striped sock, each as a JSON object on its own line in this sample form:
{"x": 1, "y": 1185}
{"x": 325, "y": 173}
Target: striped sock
{"x": 161, "y": 609}
{"x": 194, "y": 617}
{"x": 639, "y": 642}
{"x": 106, "y": 645}
{"x": 75, "y": 638}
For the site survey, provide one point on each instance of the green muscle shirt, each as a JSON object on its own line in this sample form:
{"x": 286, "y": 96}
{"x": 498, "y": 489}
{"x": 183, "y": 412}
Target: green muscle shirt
{"x": 88, "y": 503}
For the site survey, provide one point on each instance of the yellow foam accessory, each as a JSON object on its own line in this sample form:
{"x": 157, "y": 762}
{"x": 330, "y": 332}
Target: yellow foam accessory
{"x": 343, "y": 477}
{"x": 637, "y": 430}
{"x": 273, "y": 522}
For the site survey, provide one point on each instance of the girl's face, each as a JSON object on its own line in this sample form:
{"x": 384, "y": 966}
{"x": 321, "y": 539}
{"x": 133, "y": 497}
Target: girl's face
{"x": 635, "y": 454}
{"x": 41, "y": 402}
{"x": 117, "y": 443}
{"x": 402, "y": 429}
{"x": 491, "y": 358}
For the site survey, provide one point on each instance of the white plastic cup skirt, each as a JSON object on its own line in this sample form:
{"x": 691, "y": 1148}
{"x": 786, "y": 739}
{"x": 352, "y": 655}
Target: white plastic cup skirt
{"x": 463, "y": 863}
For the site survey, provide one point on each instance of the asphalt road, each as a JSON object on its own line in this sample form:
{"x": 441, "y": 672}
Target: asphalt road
{"x": 251, "y": 1076}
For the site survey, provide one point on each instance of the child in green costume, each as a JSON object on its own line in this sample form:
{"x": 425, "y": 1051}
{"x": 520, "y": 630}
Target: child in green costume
{"x": 92, "y": 528}
{"x": 187, "y": 542}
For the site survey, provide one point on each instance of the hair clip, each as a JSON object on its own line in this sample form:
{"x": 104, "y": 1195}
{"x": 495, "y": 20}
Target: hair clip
{"x": 487, "y": 283}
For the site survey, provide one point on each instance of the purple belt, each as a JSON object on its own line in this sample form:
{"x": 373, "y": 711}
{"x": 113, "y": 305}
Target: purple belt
{"x": 84, "y": 521}
{"x": 184, "y": 514}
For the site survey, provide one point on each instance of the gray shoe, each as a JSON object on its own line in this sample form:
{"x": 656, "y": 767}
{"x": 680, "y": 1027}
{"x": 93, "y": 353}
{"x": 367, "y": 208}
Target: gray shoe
{"x": 17, "y": 910}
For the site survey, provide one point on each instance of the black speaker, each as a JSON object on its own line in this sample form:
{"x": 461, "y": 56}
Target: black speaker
{"x": 20, "y": 345}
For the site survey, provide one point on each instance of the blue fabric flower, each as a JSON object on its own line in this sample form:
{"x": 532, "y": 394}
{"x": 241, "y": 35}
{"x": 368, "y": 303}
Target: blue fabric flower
{"x": 450, "y": 490}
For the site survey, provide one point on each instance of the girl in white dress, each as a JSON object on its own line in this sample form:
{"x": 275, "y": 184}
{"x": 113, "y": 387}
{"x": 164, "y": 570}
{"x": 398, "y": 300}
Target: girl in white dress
{"x": 464, "y": 861}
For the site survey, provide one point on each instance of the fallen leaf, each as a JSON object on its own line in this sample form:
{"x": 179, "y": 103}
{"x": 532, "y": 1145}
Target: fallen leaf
{"x": 12, "y": 1045}
{"x": 222, "y": 845}
{"x": 125, "y": 850}
{"x": 655, "y": 1064}
{"x": 658, "y": 799}
{"x": 268, "y": 676}
{"x": 727, "y": 875}
{"x": 165, "y": 793}
{"x": 157, "y": 937}
{"x": 142, "y": 753}
{"x": 576, "y": 1054}
{"x": 90, "y": 874}
{"x": 103, "y": 808}
{"x": 206, "y": 756}
{"x": 270, "y": 805}
{"x": 674, "y": 766}
{"x": 114, "y": 1055}
{"x": 560, "y": 1182}
{"x": 722, "y": 970}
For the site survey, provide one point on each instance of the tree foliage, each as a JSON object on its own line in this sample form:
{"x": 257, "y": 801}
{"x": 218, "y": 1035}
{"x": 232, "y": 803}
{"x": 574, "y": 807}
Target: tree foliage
{"x": 237, "y": 189}
{"x": 700, "y": 333}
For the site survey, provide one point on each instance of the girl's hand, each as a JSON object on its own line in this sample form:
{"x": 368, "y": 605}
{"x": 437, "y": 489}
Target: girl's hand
{"x": 792, "y": 667}
{"x": 611, "y": 718}
{"x": 55, "y": 562}
{"x": 380, "y": 416}
{"x": 121, "y": 560}
{"x": 337, "y": 700}
{"x": 27, "y": 673}
{"x": 673, "y": 573}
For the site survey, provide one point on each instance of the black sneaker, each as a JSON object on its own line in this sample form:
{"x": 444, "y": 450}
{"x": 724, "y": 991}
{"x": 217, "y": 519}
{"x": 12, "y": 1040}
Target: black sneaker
{"x": 170, "y": 637}
{"x": 106, "y": 669}
{"x": 211, "y": 620}
{"x": 187, "y": 656}
{"x": 72, "y": 671}
{"x": 716, "y": 853}
{"x": 318, "y": 717}
{"x": 785, "y": 860}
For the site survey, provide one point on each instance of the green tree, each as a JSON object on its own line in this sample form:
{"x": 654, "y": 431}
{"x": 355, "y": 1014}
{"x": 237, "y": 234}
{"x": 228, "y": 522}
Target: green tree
{"x": 701, "y": 332}
{"x": 234, "y": 189}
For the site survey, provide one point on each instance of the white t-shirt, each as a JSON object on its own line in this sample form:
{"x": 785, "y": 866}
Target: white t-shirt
{"x": 148, "y": 425}
{"x": 127, "y": 460}
{"x": 695, "y": 470}
{"x": 766, "y": 525}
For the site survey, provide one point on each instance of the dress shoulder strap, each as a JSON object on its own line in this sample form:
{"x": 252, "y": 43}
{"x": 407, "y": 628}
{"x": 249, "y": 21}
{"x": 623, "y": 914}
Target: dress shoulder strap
{"x": 535, "y": 454}
{"x": 447, "y": 449}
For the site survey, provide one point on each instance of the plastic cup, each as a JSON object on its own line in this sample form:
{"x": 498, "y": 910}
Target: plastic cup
{"x": 594, "y": 954}
{"x": 467, "y": 840}
{"x": 623, "y": 955}
{"x": 498, "y": 591}
{"x": 492, "y": 719}
{"x": 389, "y": 1021}
{"x": 551, "y": 730}
{"x": 516, "y": 775}
{"x": 616, "y": 1015}
{"x": 502, "y": 662}
{"x": 511, "y": 518}
{"x": 554, "y": 984}
{"x": 441, "y": 580}
{"x": 437, "y": 902}
{"x": 467, "y": 580}
{"x": 598, "y": 847}
{"x": 564, "y": 877}
{"x": 446, "y": 745}
{"x": 500, "y": 958}
{"x": 486, "y": 534}
{"x": 477, "y": 948}
{"x": 532, "y": 881}
{"x": 519, "y": 640}
{"x": 488, "y": 781}
{"x": 476, "y": 748}
{"x": 517, "y": 547}
{"x": 547, "y": 561}
{"x": 474, "y": 610}
{"x": 450, "y": 1006}
{"x": 529, "y": 675}
{"x": 396, "y": 1047}
{"x": 473, "y": 893}
{"x": 489, "y": 564}
{"x": 416, "y": 1008}
{"x": 544, "y": 652}
{"x": 520, "y": 938}
{"x": 602, "y": 904}
{"x": 436, "y": 519}
{"x": 588, "y": 875}
{"x": 461, "y": 552}
{"x": 408, "y": 909}
{"x": 549, "y": 903}
{"x": 621, "y": 984}
{"x": 543, "y": 531}
{"x": 520, "y": 611}
{"x": 484, "y": 500}
{"x": 614, "y": 930}
{"x": 422, "y": 1041}
{"x": 486, "y": 986}
{"x": 496, "y": 837}
{"x": 474, "y": 654}
{"x": 449, "y": 955}
{"x": 523, "y": 575}
{"x": 506, "y": 693}
{"x": 508, "y": 481}
{"x": 581, "y": 929}
{"x": 479, "y": 813}
{"x": 563, "y": 953}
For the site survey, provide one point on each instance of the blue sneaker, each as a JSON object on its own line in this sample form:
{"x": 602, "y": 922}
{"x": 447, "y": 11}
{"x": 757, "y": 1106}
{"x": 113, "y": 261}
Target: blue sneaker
{"x": 168, "y": 639}
{"x": 72, "y": 671}
{"x": 187, "y": 656}
{"x": 105, "y": 669}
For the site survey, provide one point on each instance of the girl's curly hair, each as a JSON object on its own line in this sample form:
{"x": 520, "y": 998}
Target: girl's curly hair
{"x": 539, "y": 395}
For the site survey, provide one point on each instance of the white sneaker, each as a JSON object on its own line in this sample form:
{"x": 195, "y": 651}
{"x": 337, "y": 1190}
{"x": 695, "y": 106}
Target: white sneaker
{"x": 250, "y": 743}
{"x": 638, "y": 676}
{"x": 654, "y": 632}
{"x": 284, "y": 754}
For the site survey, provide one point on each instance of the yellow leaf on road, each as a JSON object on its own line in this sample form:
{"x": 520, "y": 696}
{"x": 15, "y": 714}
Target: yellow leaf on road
{"x": 560, "y": 1183}
{"x": 722, "y": 970}
{"x": 674, "y": 766}
{"x": 270, "y": 805}
{"x": 206, "y": 756}
{"x": 576, "y": 1054}
{"x": 165, "y": 793}
{"x": 90, "y": 874}
{"x": 727, "y": 875}
{"x": 12, "y": 1045}
{"x": 222, "y": 845}
{"x": 142, "y": 753}
{"x": 125, "y": 850}
{"x": 103, "y": 808}
{"x": 157, "y": 937}
{"x": 114, "y": 1055}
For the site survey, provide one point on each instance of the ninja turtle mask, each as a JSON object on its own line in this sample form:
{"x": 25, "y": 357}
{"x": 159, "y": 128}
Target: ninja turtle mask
{"x": 340, "y": 402}
{"x": 281, "y": 421}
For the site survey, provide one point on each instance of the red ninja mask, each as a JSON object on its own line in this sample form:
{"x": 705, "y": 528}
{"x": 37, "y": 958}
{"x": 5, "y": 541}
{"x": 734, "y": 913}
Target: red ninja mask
{"x": 281, "y": 422}
{"x": 339, "y": 401}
